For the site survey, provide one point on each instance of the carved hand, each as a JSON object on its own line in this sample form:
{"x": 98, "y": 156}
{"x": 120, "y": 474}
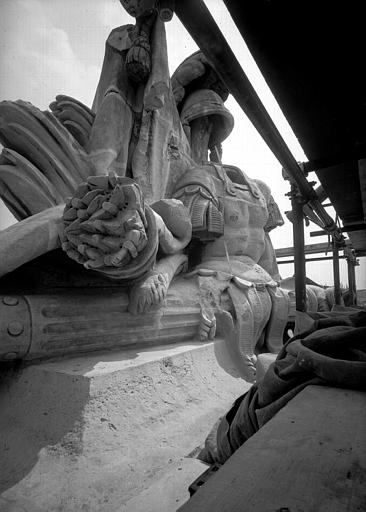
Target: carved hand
{"x": 105, "y": 223}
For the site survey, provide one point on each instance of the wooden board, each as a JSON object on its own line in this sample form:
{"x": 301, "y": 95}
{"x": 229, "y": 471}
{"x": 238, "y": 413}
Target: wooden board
{"x": 310, "y": 457}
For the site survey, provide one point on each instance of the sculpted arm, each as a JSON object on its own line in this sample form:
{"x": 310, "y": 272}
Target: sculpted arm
{"x": 174, "y": 233}
{"x": 275, "y": 219}
{"x": 30, "y": 238}
{"x": 268, "y": 259}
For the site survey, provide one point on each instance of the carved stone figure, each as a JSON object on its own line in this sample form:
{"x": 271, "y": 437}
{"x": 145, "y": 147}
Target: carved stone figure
{"x": 127, "y": 191}
{"x": 234, "y": 261}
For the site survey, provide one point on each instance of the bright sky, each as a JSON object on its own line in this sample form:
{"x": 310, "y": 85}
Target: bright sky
{"x": 51, "y": 47}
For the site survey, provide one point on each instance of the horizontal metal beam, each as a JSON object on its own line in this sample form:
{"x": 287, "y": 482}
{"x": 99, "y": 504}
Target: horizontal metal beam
{"x": 202, "y": 27}
{"x": 345, "y": 229}
{"x": 285, "y": 252}
{"x": 307, "y": 260}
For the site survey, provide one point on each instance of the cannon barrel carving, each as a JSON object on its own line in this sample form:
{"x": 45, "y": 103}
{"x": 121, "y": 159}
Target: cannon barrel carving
{"x": 46, "y": 326}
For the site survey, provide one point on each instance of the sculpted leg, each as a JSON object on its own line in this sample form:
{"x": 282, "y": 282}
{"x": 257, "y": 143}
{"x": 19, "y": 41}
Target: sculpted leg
{"x": 279, "y": 316}
{"x": 241, "y": 316}
{"x": 108, "y": 144}
{"x": 152, "y": 289}
{"x": 251, "y": 313}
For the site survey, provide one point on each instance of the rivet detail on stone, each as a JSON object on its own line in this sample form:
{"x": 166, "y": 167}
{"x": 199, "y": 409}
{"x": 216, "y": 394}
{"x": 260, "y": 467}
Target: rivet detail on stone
{"x": 10, "y": 301}
{"x": 15, "y": 328}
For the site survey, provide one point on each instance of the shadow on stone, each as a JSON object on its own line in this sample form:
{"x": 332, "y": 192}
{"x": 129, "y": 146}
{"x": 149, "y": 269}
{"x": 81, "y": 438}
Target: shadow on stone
{"x": 37, "y": 413}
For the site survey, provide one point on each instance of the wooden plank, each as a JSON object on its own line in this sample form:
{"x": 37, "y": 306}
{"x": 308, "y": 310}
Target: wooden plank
{"x": 310, "y": 457}
{"x": 285, "y": 252}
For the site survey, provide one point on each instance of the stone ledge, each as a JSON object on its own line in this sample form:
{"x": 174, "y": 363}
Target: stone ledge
{"x": 169, "y": 490}
{"x": 91, "y": 433}
{"x": 310, "y": 456}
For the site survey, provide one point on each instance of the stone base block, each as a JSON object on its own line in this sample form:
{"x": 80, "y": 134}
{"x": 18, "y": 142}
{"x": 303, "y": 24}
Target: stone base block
{"x": 93, "y": 433}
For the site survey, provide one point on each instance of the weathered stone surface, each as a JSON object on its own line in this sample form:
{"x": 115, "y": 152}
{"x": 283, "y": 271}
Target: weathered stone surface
{"x": 30, "y": 238}
{"x": 205, "y": 103}
{"x": 42, "y": 143}
{"x": 73, "y": 322}
{"x": 136, "y": 130}
{"x": 143, "y": 137}
{"x": 195, "y": 69}
{"x": 75, "y": 116}
{"x": 91, "y": 433}
{"x": 167, "y": 491}
{"x": 108, "y": 229}
{"x": 176, "y": 217}
{"x": 236, "y": 264}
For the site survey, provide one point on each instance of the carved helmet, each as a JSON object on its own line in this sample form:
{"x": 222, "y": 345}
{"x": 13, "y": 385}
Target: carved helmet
{"x": 205, "y": 102}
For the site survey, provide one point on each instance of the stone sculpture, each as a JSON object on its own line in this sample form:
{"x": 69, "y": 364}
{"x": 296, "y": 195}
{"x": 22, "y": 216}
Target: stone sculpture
{"x": 127, "y": 190}
{"x": 235, "y": 265}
